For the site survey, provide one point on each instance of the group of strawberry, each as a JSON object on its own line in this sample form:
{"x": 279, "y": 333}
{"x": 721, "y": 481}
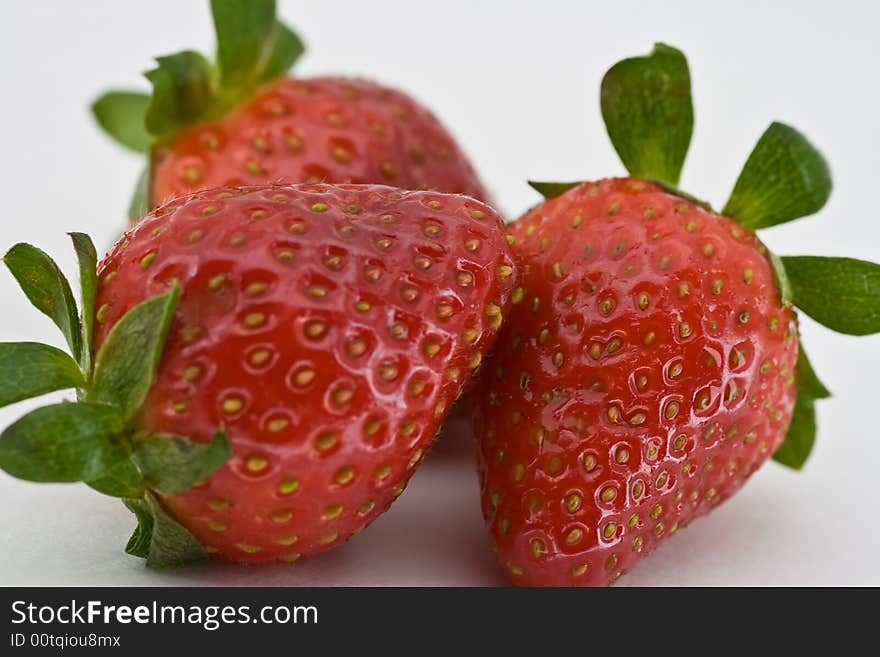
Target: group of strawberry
{"x": 263, "y": 359}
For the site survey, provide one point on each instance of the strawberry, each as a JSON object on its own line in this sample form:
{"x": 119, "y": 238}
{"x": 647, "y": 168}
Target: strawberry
{"x": 316, "y": 129}
{"x": 651, "y": 360}
{"x": 242, "y": 122}
{"x": 326, "y": 330}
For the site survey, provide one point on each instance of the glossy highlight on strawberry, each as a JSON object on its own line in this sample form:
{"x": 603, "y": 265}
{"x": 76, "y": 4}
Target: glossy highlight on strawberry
{"x": 646, "y": 371}
{"x": 327, "y": 329}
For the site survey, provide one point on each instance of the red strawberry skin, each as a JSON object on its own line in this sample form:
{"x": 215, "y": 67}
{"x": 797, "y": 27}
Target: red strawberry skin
{"x": 333, "y": 130}
{"x": 645, "y": 372}
{"x": 329, "y": 329}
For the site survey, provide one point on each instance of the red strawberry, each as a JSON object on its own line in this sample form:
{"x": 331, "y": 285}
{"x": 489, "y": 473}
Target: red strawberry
{"x": 246, "y": 125}
{"x": 316, "y": 129}
{"x": 650, "y": 363}
{"x": 327, "y": 329}
{"x": 645, "y": 374}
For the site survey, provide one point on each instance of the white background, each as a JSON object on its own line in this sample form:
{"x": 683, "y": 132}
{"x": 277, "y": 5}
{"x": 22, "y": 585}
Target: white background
{"x": 517, "y": 82}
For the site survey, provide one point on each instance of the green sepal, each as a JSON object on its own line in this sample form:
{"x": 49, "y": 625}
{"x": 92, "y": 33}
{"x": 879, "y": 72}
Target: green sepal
{"x": 158, "y": 538}
{"x": 795, "y": 449}
{"x": 783, "y": 285}
{"x": 48, "y": 290}
{"x": 552, "y": 189}
{"x": 841, "y": 293}
{"x": 120, "y": 477}
{"x": 244, "y": 31}
{"x": 648, "y": 111}
{"x": 285, "y": 50}
{"x": 122, "y": 115}
{"x": 183, "y": 92}
{"x": 87, "y": 257}
{"x": 63, "y": 443}
{"x": 252, "y": 46}
{"x": 122, "y": 481}
{"x": 126, "y": 363}
{"x": 30, "y": 369}
{"x": 784, "y": 178}
{"x": 808, "y": 382}
{"x": 140, "y": 202}
{"x": 173, "y": 464}
{"x": 139, "y": 543}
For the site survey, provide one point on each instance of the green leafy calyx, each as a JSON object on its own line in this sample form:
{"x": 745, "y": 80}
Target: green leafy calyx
{"x": 95, "y": 440}
{"x": 253, "y": 47}
{"x": 158, "y": 538}
{"x": 553, "y": 189}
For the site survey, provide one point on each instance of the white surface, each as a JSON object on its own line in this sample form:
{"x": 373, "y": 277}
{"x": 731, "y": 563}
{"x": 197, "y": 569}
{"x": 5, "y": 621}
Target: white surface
{"x": 517, "y": 82}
